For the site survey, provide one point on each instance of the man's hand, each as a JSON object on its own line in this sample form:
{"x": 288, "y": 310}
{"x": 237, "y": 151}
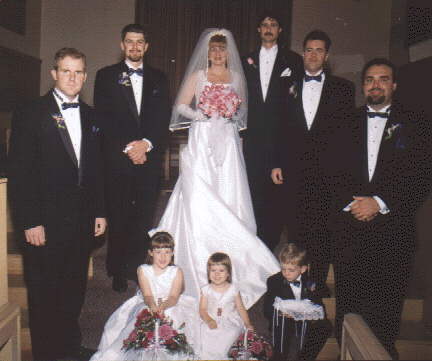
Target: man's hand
{"x": 137, "y": 151}
{"x": 100, "y": 226}
{"x": 35, "y": 236}
{"x": 364, "y": 208}
{"x": 276, "y": 176}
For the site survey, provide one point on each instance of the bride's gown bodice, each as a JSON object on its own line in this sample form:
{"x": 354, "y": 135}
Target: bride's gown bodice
{"x": 210, "y": 209}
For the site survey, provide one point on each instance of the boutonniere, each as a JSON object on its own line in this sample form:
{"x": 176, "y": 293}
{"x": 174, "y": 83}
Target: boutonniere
{"x": 310, "y": 286}
{"x": 251, "y": 62}
{"x": 293, "y": 90}
{"x": 390, "y": 130}
{"x": 95, "y": 129}
{"x": 155, "y": 92}
{"x": 124, "y": 79}
{"x": 60, "y": 122}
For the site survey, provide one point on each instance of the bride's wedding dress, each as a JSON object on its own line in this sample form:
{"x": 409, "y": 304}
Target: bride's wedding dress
{"x": 210, "y": 209}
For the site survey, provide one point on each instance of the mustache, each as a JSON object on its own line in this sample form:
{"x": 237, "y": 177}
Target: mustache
{"x": 268, "y": 33}
{"x": 371, "y": 90}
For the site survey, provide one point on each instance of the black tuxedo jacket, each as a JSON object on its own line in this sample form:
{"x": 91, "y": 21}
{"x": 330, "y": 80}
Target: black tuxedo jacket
{"x": 299, "y": 148}
{"x": 263, "y": 115}
{"x": 46, "y": 186}
{"x": 120, "y": 122}
{"x": 277, "y": 286}
{"x": 402, "y": 176}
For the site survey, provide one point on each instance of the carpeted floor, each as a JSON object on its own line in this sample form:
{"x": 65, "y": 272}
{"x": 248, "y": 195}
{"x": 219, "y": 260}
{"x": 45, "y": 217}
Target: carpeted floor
{"x": 101, "y": 300}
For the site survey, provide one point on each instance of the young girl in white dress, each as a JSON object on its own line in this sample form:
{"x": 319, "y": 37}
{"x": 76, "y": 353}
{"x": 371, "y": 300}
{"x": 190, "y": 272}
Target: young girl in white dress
{"x": 223, "y": 315}
{"x": 160, "y": 286}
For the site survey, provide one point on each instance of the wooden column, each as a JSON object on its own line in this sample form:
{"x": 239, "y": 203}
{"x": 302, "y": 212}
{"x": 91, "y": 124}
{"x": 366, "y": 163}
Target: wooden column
{"x": 10, "y": 319}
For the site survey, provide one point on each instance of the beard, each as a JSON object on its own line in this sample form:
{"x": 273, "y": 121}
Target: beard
{"x": 135, "y": 57}
{"x": 375, "y": 100}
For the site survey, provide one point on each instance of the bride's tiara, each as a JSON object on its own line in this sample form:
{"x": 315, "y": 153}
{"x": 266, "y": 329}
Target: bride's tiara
{"x": 217, "y": 32}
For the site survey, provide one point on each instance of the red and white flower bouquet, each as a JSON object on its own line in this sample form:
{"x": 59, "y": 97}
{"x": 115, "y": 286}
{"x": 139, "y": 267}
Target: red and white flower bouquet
{"x": 219, "y": 100}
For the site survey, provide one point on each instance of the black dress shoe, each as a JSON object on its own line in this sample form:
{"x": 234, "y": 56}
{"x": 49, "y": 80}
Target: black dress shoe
{"x": 119, "y": 284}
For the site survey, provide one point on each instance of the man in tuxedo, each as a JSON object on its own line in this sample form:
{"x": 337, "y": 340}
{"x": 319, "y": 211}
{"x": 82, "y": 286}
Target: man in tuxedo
{"x": 382, "y": 178}
{"x": 269, "y": 71}
{"x": 57, "y": 199}
{"x": 132, "y": 108}
{"x": 316, "y": 106}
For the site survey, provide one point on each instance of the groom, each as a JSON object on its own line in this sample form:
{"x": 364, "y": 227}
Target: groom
{"x": 270, "y": 71}
{"x": 132, "y": 107}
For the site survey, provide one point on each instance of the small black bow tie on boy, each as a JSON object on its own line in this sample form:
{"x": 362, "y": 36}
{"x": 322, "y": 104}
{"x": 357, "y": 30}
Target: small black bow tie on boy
{"x": 293, "y": 283}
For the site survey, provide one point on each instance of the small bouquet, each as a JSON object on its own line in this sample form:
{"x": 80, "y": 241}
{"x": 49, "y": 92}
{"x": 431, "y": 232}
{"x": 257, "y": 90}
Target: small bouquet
{"x": 219, "y": 100}
{"x": 250, "y": 346}
{"x": 152, "y": 331}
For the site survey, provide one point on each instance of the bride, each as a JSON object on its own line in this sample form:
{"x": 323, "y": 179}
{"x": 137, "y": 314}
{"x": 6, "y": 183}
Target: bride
{"x": 210, "y": 209}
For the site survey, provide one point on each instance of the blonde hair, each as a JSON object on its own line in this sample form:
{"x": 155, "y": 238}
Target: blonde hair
{"x": 219, "y": 258}
{"x": 160, "y": 240}
{"x": 293, "y": 254}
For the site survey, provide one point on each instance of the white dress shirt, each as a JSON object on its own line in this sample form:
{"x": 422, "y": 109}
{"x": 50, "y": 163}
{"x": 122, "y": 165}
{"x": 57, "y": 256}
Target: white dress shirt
{"x": 297, "y": 289}
{"x": 267, "y": 59}
{"x": 311, "y": 96}
{"x": 375, "y": 130}
{"x": 72, "y": 119}
{"x": 137, "y": 86}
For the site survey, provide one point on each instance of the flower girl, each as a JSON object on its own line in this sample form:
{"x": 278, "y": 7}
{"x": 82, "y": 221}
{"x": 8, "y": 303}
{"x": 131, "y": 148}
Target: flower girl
{"x": 131, "y": 331}
{"x": 222, "y": 312}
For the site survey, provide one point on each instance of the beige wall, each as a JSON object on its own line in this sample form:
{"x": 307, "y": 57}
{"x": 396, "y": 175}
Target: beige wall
{"x": 420, "y": 50}
{"x": 91, "y": 26}
{"x": 360, "y": 30}
{"x": 29, "y": 43}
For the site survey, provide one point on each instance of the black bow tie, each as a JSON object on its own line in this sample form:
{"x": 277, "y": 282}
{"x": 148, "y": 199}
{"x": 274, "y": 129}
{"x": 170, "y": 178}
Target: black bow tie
{"x": 69, "y": 105}
{"x": 378, "y": 114}
{"x": 132, "y": 71}
{"x": 317, "y": 78}
{"x": 294, "y": 283}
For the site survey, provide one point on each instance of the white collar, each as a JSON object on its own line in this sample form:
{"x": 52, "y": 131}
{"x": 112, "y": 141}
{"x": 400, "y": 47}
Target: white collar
{"x": 272, "y": 50}
{"x": 382, "y": 110}
{"x": 129, "y": 64}
{"x": 65, "y": 98}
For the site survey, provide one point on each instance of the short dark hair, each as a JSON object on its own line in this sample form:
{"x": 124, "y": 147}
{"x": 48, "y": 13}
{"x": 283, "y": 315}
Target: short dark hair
{"x": 269, "y": 14}
{"x": 379, "y": 61}
{"x": 317, "y": 35}
{"x": 160, "y": 240}
{"x": 135, "y": 28}
{"x": 71, "y": 52}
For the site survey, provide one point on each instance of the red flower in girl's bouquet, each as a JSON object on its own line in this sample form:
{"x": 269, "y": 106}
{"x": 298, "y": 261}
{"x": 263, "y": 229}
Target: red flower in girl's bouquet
{"x": 219, "y": 100}
{"x": 257, "y": 347}
{"x": 143, "y": 335}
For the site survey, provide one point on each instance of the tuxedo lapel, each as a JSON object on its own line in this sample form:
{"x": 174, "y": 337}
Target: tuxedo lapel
{"x": 299, "y": 108}
{"x": 324, "y": 95}
{"x": 59, "y": 122}
{"x": 146, "y": 89}
{"x": 85, "y": 141}
{"x": 256, "y": 73}
{"x": 126, "y": 88}
{"x": 275, "y": 73}
{"x": 363, "y": 145}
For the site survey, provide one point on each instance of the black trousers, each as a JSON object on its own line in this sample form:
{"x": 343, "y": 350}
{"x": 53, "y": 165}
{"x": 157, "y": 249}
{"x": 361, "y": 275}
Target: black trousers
{"x": 267, "y": 198}
{"x": 371, "y": 273}
{"x": 56, "y": 279}
{"x": 131, "y": 205}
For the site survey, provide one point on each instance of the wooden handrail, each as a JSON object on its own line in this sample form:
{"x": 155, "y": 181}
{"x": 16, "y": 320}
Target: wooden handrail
{"x": 359, "y": 342}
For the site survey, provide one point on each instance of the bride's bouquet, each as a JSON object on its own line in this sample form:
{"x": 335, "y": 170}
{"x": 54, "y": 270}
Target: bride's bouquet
{"x": 250, "y": 346}
{"x": 156, "y": 333}
{"x": 219, "y": 100}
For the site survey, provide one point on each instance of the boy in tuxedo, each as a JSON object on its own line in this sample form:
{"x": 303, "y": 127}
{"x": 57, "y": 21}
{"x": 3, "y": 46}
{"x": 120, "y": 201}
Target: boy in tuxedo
{"x": 293, "y": 283}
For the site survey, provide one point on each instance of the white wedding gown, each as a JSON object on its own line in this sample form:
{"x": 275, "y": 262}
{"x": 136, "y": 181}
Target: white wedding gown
{"x": 210, "y": 210}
